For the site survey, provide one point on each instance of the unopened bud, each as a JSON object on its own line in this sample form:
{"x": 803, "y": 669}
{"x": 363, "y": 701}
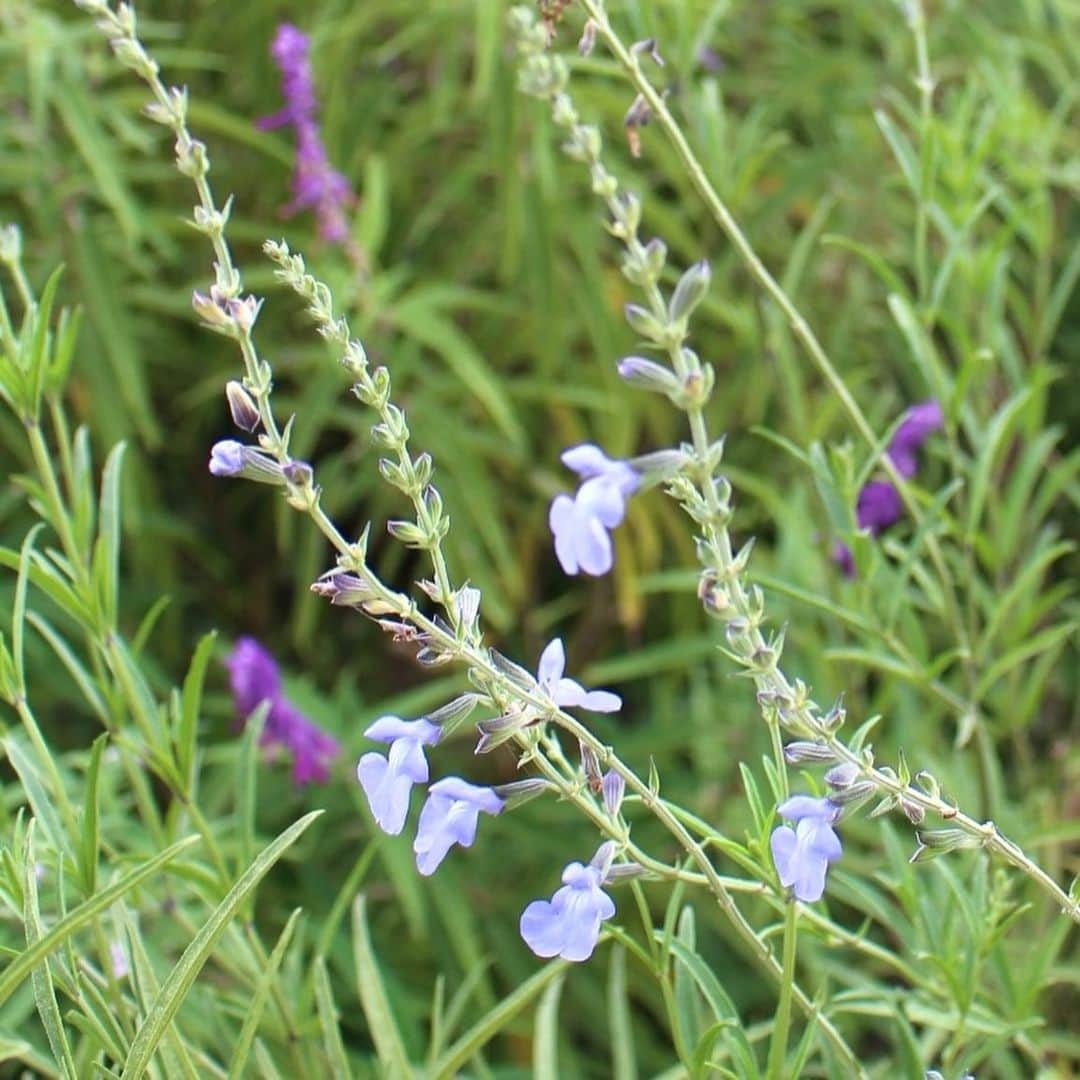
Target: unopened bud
{"x": 648, "y": 375}
{"x": 342, "y": 589}
{"x": 614, "y": 788}
{"x": 690, "y": 291}
{"x": 298, "y": 473}
{"x": 797, "y": 753}
{"x": 242, "y": 408}
{"x": 234, "y": 459}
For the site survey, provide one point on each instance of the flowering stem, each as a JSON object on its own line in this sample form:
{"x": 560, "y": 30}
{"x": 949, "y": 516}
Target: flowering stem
{"x": 741, "y": 604}
{"x": 630, "y": 62}
{"x": 774, "y": 1069}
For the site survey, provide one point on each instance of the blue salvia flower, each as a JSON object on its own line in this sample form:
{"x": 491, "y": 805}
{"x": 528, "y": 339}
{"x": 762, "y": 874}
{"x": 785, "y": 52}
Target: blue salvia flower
{"x": 387, "y": 781}
{"x": 580, "y": 524}
{"x": 568, "y": 925}
{"x": 567, "y": 693}
{"x": 233, "y": 459}
{"x": 450, "y": 817}
{"x": 802, "y": 855}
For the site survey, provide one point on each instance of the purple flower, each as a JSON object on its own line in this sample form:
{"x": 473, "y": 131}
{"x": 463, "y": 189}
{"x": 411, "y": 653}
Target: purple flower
{"x": 879, "y": 504}
{"x": 568, "y": 925}
{"x": 315, "y": 184}
{"x": 580, "y": 524}
{"x": 567, "y": 693}
{"x": 449, "y": 817}
{"x": 387, "y": 781}
{"x": 255, "y": 678}
{"x": 802, "y": 855}
{"x": 917, "y": 426}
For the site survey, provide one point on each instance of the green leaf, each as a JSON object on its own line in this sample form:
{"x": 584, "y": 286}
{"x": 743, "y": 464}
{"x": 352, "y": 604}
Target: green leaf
{"x": 44, "y": 992}
{"x": 191, "y": 703}
{"x": 723, "y": 1008}
{"x": 106, "y": 557}
{"x": 26, "y": 961}
{"x": 263, "y": 986}
{"x": 328, "y": 1021}
{"x": 546, "y": 1037}
{"x": 186, "y": 971}
{"x": 489, "y": 1026}
{"x": 623, "y": 1055}
{"x": 88, "y": 849}
{"x": 380, "y": 1017}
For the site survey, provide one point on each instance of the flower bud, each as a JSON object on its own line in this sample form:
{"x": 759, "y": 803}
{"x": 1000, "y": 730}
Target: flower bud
{"x": 614, "y": 788}
{"x": 625, "y": 871}
{"x": 644, "y": 323}
{"x": 648, "y": 375}
{"x": 298, "y": 473}
{"x": 690, "y": 291}
{"x": 409, "y": 534}
{"x": 454, "y": 713}
{"x": 590, "y": 765}
{"x": 843, "y": 775}
{"x": 521, "y": 791}
{"x": 242, "y": 408}
{"x": 342, "y": 589}
{"x": 796, "y": 753}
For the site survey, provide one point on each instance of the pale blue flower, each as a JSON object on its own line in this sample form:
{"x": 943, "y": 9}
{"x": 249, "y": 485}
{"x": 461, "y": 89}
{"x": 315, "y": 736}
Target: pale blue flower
{"x": 450, "y": 817}
{"x": 387, "y": 781}
{"x": 568, "y": 925}
{"x": 580, "y": 524}
{"x": 231, "y": 458}
{"x": 567, "y": 693}
{"x": 802, "y": 855}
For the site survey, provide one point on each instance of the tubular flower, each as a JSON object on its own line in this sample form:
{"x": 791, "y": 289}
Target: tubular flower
{"x": 580, "y": 524}
{"x": 802, "y": 855}
{"x": 387, "y": 781}
{"x": 450, "y": 817}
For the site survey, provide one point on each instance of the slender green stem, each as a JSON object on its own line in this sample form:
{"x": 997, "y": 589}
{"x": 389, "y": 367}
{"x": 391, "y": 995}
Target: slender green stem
{"x": 774, "y": 1070}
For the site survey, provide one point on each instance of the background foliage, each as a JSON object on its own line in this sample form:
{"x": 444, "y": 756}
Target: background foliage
{"x": 494, "y": 297}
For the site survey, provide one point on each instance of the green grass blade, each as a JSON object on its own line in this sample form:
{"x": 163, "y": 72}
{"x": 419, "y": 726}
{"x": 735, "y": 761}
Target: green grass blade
{"x": 328, "y": 1021}
{"x": 380, "y": 1017}
{"x": 258, "y": 1000}
{"x": 25, "y": 962}
{"x": 184, "y": 974}
{"x": 546, "y": 1039}
{"x": 490, "y": 1025}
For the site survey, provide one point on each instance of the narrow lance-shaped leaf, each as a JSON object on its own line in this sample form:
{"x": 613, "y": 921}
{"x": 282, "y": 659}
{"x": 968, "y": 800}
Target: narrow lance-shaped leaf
{"x": 184, "y": 974}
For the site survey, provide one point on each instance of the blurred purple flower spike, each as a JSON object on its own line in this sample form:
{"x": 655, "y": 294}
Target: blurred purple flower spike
{"x": 879, "y": 504}
{"x": 316, "y": 185}
{"x": 254, "y": 678}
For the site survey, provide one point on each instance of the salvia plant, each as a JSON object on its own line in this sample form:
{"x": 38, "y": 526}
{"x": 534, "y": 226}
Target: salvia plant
{"x": 730, "y": 873}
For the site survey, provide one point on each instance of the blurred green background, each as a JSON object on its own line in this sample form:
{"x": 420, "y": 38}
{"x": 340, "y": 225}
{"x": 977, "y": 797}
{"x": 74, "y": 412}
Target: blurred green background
{"x": 494, "y": 298}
